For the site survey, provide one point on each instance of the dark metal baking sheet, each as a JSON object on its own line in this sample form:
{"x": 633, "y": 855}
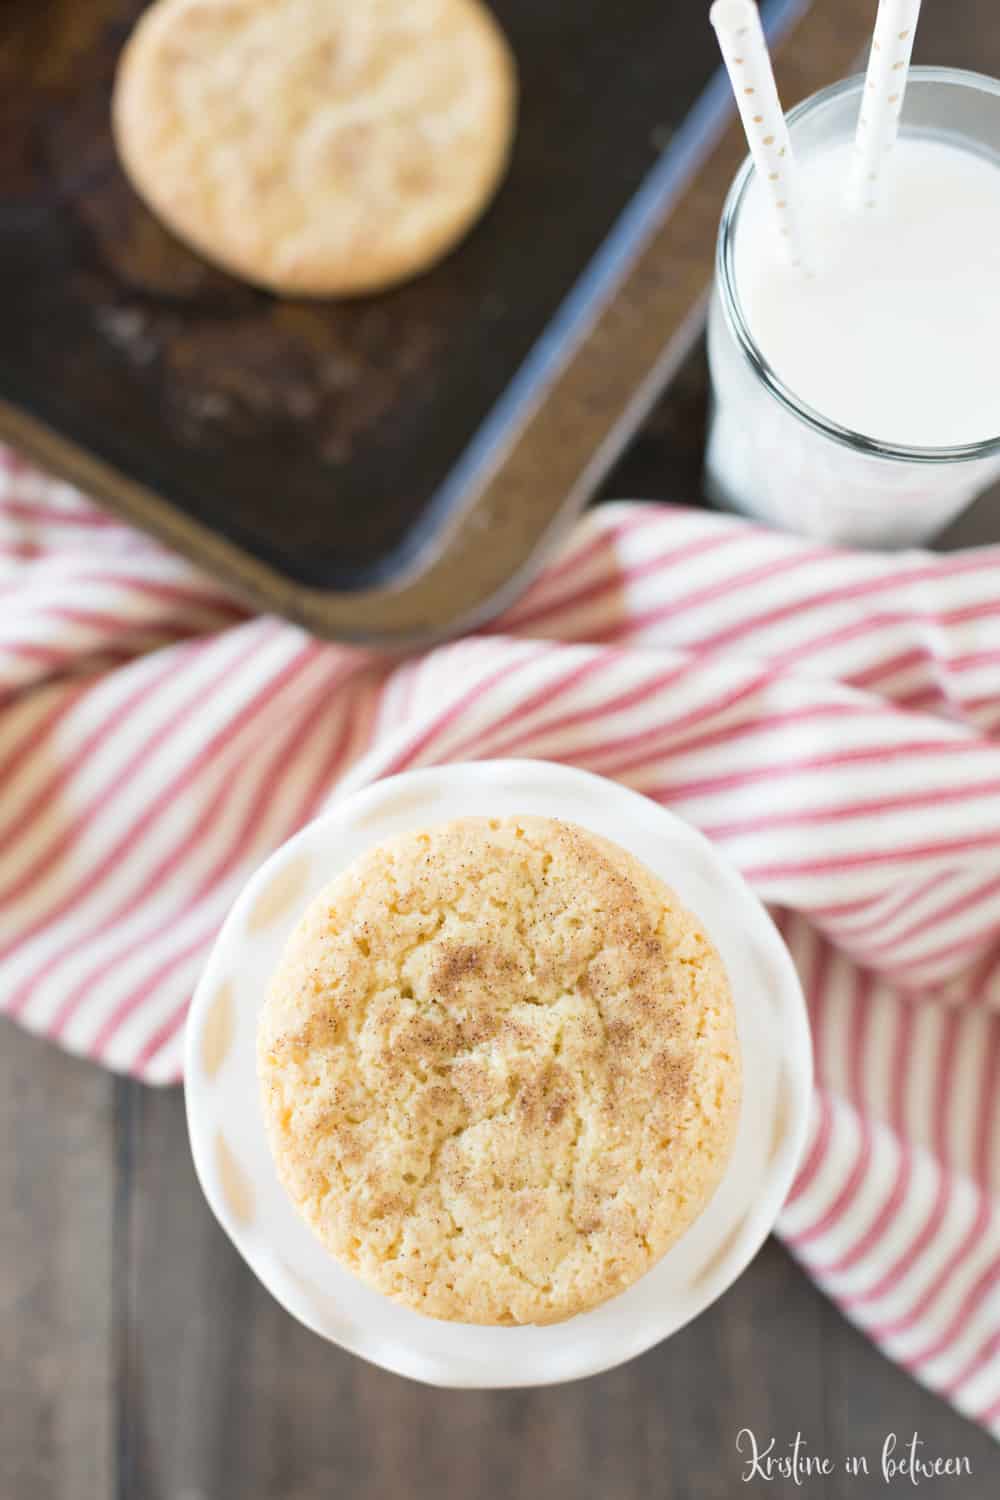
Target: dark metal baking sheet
{"x": 326, "y": 456}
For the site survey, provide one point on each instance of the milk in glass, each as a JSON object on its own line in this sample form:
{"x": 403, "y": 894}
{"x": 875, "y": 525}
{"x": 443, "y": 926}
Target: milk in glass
{"x": 861, "y": 402}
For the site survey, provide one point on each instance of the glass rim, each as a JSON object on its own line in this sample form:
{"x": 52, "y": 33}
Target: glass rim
{"x": 725, "y": 273}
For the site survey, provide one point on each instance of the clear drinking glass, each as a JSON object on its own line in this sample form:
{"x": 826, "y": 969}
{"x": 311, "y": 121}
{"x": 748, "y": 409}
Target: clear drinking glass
{"x": 770, "y": 455}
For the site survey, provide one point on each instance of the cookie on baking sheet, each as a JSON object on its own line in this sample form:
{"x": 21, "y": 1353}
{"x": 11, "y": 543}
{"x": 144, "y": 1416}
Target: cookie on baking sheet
{"x": 499, "y": 1069}
{"x": 316, "y": 147}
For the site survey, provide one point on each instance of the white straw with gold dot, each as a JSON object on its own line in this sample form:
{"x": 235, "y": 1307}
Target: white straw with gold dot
{"x": 882, "y": 99}
{"x": 748, "y": 63}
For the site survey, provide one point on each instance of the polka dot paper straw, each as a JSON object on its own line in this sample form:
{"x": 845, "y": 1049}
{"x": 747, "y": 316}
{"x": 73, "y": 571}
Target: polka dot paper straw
{"x": 882, "y": 98}
{"x": 748, "y": 63}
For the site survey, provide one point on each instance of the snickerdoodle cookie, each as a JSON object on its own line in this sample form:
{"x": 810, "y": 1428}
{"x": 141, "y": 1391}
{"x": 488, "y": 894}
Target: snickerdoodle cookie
{"x": 317, "y": 147}
{"x": 499, "y": 1069}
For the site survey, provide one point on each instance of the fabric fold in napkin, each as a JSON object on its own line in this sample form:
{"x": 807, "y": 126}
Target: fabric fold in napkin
{"x": 831, "y": 720}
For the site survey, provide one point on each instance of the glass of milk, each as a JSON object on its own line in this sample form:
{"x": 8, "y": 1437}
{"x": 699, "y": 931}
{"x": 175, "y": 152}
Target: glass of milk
{"x": 861, "y": 403}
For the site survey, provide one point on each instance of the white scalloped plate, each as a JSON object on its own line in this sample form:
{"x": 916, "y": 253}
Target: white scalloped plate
{"x": 233, "y": 1161}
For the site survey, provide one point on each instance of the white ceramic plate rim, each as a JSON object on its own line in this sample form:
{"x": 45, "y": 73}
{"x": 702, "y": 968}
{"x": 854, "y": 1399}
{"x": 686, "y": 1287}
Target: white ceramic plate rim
{"x": 494, "y": 785}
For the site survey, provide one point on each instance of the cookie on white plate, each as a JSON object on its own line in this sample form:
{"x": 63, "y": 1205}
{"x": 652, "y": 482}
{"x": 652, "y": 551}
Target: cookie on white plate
{"x": 316, "y": 147}
{"x": 499, "y": 1069}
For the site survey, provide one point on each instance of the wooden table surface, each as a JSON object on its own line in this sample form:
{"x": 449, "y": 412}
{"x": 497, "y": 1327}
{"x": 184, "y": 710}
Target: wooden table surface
{"x": 141, "y": 1360}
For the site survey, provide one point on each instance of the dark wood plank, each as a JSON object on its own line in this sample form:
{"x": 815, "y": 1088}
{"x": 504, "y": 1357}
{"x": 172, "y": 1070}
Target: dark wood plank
{"x": 221, "y": 1395}
{"x": 56, "y": 1430}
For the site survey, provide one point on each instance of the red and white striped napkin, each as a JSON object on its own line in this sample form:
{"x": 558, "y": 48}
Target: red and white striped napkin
{"x": 831, "y": 720}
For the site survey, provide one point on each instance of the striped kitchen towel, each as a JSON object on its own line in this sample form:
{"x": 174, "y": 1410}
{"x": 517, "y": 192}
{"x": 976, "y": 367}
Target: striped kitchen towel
{"x": 831, "y": 720}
